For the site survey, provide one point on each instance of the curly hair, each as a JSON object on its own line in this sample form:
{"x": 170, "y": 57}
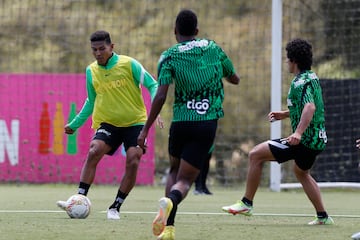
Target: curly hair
{"x": 100, "y": 35}
{"x": 300, "y": 52}
{"x": 186, "y": 22}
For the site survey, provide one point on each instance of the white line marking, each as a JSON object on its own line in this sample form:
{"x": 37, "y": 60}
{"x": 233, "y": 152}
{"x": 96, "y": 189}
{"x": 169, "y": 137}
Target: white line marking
{"x": 189, "y": 213}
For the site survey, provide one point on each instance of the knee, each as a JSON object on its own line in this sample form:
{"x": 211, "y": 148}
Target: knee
{"x": 94, "y": 152}
{"x": 254, "y": 156}
{"x": 133, "y": 158}
{"x": 299, "y": 173}
{"x": 133, "y": 163}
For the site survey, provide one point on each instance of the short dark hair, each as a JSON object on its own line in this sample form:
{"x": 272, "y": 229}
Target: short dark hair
{"x": 186, "y": 22}
{"x": 100, "y": 35}
{"x": 300, "y": 52}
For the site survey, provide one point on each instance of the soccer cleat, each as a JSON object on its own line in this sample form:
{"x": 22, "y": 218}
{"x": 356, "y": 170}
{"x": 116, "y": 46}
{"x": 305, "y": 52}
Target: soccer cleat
{"x": 322, "y": 221}
{"x": 160, "y": 220}
{"x": 355, "y": 236}
{"x": 167, "y": 234}
{"x": 197, "y": 192}
{"x": 206, "y": 191}
{"x": 62, "y": 204}
{"x": 238, "y": 208}
{"x": 113, "y": 214}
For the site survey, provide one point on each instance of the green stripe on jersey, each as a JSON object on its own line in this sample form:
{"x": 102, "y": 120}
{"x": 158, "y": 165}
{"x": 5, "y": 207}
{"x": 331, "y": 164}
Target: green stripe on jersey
{"x": 196, "y": 68}
{"x": 305, "y": 88}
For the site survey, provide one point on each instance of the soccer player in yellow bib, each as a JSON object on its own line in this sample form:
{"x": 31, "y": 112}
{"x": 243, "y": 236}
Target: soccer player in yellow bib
{"x": 114, "y": 98}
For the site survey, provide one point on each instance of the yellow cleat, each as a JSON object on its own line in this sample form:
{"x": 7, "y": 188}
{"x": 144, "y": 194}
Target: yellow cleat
{"x": 160, "y": 220}
{"x": 167, "y": 234}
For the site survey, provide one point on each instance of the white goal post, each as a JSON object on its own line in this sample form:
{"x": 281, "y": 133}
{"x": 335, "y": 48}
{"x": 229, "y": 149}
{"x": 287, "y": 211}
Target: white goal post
{"x": 276, "y": 48}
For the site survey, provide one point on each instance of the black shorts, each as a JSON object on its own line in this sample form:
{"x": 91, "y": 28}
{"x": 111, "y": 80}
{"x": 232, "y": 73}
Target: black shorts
{"x": 304, "y": 157}
{"x": 115, "y": 136}
{"x": 192, "y": 141}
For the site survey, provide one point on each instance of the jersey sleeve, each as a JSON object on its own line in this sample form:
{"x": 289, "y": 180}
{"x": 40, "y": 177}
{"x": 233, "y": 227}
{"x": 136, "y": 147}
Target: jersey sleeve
{"x": 228, "y": 67}
{"x": 88, "y": 105}
{"x": 307, "y": 93}
{"x": 143, "y": 77}
{"x": 164, "y": 70}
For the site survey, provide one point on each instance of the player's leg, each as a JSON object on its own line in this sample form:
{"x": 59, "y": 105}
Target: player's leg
{"x": 171, "y": 178}
{"x": 164, "y": 221}
{"x": 204, "y": 174}
{"x": 257, "y": 156}
{"x": 98, "y": 148}
{"x": 310, "y": 187}
{"x": 104, "y": 142}
{"x": 192, "y": 142}
{"x": 301, "y": 169}
{"x": 159, "y": 225}
{"x": 186, "y": 176}
{"x": 133, "y": 156}
{"x": 199, "y": 138}
{"x": 199, "y": 186}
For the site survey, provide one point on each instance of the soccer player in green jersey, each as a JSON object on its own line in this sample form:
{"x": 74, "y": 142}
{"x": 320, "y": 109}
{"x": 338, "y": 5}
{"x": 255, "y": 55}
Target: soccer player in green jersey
{"x": 306, "y": 113}
{"x": 114, "y": 98}
{"x": 196, "y": 66}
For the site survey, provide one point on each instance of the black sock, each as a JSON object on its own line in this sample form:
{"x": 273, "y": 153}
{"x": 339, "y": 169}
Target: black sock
{"x": 247, "y": 201}
{"x": 83, "y": 188}
{"x": 176, "y": 198}
{"x": 321, "y": 214}
{"x": 120, "y": 198}
{"x": 198, "y": 185}
{"x": 205, "y": 172}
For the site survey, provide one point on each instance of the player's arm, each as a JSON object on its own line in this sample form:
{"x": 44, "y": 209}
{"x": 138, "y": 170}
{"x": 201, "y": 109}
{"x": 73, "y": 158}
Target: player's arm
{"x": 307, "y": 100}
{"x": 143, "y": 77}
{"x": 305, "y": 119}
{"x": 165, "y": 79}
{"x": 278, "y": 115}
{"x": 234, "y": 79}
{"x": 86, "y": 109}
{"x": 228, "y": 68}
{"x": 156, "y": 107}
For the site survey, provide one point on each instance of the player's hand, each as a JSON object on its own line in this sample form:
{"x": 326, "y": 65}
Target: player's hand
{"x": 141, "y": 140}
{"x": 68, "y": 130}
{"x": 294, "y": 139}
{"x": 159, "y": 122}
{"x": 275, "y": 116}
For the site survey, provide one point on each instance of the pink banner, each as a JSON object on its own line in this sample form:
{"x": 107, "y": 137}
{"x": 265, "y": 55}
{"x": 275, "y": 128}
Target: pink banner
{"x": 33, "y": 147}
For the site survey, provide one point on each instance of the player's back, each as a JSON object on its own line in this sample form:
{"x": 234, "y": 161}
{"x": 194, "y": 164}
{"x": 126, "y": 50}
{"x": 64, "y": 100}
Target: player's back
{"x": 196, "y": 64}
{"x": 196, "y": 69}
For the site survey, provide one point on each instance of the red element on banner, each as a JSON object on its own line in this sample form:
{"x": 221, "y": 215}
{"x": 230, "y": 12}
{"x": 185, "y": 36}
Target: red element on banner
{"x": 44, "y": 141}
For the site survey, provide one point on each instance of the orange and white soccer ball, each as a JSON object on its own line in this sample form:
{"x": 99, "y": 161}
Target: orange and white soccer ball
{"x": 78, "y": 206}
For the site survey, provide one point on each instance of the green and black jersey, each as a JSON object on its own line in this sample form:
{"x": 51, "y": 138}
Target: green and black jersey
{"x": 196, "y": 68}
{"x": 305, "y": 88}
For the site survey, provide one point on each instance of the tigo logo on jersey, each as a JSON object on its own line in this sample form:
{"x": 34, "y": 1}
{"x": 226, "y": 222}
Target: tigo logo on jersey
{"x": 200, "y": 107}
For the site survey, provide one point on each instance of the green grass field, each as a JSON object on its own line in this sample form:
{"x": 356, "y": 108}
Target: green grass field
{"x": 29, "y": 212}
